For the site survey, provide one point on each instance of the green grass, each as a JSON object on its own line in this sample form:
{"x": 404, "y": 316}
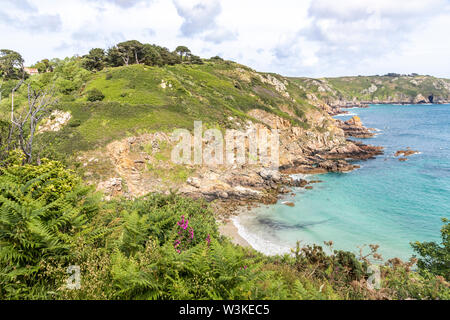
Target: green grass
{"x": 103, "y": 122}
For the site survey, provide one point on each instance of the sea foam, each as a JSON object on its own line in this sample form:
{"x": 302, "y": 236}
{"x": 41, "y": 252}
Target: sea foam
{"x": 258, "y": 243}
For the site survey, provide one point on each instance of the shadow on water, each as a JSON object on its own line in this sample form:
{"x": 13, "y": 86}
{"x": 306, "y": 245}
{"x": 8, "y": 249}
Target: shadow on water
{"x": 277, "y": 225}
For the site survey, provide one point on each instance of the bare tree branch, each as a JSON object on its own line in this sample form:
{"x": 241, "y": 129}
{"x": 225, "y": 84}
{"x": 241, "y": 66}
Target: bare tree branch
{"x": 39, "y": 105}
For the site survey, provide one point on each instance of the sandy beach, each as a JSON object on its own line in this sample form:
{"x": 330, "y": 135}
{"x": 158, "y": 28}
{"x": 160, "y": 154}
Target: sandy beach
{"x": 228, "y": 229}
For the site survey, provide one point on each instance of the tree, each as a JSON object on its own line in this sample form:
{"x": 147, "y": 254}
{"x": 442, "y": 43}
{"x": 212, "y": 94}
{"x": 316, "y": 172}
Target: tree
{"x": 435, "y": 258}
{"x": 217, "y": 58}
{"x": 11, "y": 64}
{"x": 39, "y": 104}
{"x": 151, "y": 56}
{"x": 130, "y": 51}
{"x": 95, "y": 60}
{"x": 1, "y": 85}
{"x": 168, "y": 57}
{"x": 133, "y": 51}
{"x": 43, "y": 66}
{"x": 113, "y": 58}
{"x": 5, "y": 126}
{"x": 183, "y": 51}
{"x": 195, "y": 59}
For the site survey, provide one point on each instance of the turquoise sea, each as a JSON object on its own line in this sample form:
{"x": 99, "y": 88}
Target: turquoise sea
{"x": 385, "y": 202}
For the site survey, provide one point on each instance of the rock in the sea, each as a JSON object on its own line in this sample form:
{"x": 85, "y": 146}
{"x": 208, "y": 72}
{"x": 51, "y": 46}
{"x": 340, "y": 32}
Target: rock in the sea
{"x": 406, "y": 152}
{"x": 354, "y": 121}
{"x": 298, "y": 183}
{"x": 403, "y": 159}
{"x": 288, "y": 203}
{"x": 308, "y": 187}
{"x": 354, "y": 128}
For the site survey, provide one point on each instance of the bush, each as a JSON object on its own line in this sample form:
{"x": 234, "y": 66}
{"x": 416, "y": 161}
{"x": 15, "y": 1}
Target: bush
{"x": 4, "y": 133}
{"x": 95, "y": 95}
{"x": 435, "y": 258}
{"x": 75, "y": 123}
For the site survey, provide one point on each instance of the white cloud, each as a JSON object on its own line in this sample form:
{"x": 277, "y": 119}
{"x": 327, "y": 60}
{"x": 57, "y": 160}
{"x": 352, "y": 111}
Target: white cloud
{"x": 292, "y": 37}
{"x": 198, "y": 15}
{"x": 21, "y": 14}
{"x": 125, "y": 4}
{"x": 352, "y": 35}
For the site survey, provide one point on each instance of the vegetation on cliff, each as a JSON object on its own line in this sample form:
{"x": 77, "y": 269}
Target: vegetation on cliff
{"x": 161, "y": 247}
{"x": 390, "y": 88}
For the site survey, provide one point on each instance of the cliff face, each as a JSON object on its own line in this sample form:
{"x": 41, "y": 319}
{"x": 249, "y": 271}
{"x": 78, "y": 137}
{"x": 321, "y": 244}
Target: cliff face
{"x": 137, "y": 165}
{"x": 356, "y": 91}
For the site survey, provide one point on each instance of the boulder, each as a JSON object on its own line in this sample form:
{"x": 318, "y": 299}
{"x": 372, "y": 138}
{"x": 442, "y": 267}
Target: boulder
{"x": 270, "y": 174}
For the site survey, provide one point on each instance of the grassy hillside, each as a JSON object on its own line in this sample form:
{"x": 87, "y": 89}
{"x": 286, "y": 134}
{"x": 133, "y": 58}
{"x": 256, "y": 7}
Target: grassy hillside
{"x": 140, "y": 99}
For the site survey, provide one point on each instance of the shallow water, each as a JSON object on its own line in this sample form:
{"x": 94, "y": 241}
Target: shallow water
{"x": 386, "y": 202}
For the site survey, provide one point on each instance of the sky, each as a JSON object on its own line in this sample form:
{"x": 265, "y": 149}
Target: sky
{"x": 290, "y": 37}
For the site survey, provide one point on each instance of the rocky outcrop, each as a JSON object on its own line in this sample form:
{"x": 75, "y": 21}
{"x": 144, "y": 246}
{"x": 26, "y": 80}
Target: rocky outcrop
{"x": 55, "y": 122}
{"x": 134, "y": 163}
{"x": 111, "y": 187}
{"x": 354, "y": 128}
{"x": 420, "y": 99}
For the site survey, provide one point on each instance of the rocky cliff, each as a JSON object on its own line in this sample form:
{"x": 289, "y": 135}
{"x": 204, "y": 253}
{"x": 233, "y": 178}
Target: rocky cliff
{"x": 363, "y": 90}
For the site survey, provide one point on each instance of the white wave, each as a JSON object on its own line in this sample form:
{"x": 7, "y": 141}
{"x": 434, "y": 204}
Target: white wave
{"x": 351, "y": 114}
{"x": 298, "y": 176}
{"x": 258, "y": 243}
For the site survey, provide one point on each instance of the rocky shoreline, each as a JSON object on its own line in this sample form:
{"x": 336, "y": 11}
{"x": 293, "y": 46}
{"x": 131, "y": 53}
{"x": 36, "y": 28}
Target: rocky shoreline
{"x": 339, "y": 105}
{"x": 302, "y": 150}
{"x": 354, "y": 128}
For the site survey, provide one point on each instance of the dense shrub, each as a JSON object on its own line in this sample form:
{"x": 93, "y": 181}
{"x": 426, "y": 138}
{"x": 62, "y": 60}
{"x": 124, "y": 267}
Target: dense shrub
{"x": 41, "y": 208}
{"x": 435, "y": 258}
{"x": 4, "y": 133}
{"x": 75, "y": 123}
{"x": 95, "y": 95}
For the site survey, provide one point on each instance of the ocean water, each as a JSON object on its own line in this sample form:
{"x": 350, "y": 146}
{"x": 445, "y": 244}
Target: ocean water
{"x": 385, "y": 202}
